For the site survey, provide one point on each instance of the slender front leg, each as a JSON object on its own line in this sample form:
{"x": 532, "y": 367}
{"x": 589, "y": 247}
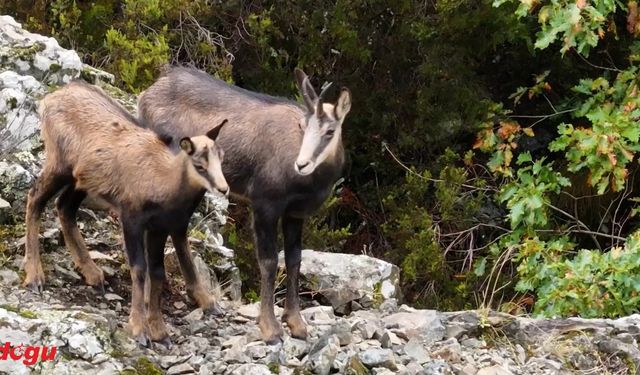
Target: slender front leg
{"x": 155, "y": 258}
{"x": 67, "y": 205}
{"x": 45, "y": 188}
{"x": 134, "y": 244}
{"x": 265, "y": 229}
{"x": 195, "y": 289}
{"x": 292, "y": 232}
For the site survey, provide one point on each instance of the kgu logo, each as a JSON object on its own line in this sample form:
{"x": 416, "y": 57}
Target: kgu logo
{"x": 29, "y": 354}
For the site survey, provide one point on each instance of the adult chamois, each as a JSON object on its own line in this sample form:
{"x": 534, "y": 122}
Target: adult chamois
{"x": 95, "y": 148}
{"x": 282, "y": 157}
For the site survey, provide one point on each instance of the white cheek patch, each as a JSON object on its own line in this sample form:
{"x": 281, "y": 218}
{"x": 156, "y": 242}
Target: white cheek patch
{"x": 310, "y": 142}
{"x": 215, "y": 171}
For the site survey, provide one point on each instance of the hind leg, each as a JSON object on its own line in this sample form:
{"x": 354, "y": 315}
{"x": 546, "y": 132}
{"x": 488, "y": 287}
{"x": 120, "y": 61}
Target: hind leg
{"x": 67, "y": 205}
{"x": 195, "y": 289}
{"x": 47, "y": 185}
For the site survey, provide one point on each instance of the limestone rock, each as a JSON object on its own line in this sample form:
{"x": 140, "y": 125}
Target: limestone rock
{"x": 342, "y": 278}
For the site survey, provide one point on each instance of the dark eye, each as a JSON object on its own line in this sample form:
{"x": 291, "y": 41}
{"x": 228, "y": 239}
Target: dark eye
{"x": 330, "y": 132}
{"x": 200, "y": 169}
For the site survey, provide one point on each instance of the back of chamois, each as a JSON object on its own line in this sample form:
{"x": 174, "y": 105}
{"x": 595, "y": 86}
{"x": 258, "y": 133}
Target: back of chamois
{"x": 281, "y": 156}
{"x": 94, "y": 147}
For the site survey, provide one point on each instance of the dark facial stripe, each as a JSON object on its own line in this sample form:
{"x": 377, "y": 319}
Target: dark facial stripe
{"x": 324, "y": 142}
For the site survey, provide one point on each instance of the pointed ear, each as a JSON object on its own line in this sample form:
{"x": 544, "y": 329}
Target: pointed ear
{"x": 213, "y": 133}
{"x": 306, "y": 90}
{"x": 187, "y": 145}
{"x": 343, "y": 106}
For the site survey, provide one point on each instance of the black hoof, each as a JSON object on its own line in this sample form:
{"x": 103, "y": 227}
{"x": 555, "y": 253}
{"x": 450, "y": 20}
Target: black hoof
{"x": 143, "y": 340}
{"x": 274, "y": 340}
{"x": 36, "y": 287}
{"x": 214, "y": 310}
{"x": 100, "y": 289}
{"x": 166, "y": 342}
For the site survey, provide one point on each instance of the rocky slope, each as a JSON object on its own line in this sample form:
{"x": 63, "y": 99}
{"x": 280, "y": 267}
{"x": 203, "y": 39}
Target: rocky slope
{"x": 355, "y": 323}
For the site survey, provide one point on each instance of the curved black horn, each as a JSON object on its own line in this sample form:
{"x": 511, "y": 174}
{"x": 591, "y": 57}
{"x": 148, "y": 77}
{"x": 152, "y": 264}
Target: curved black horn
{"x": 319, "y": 109}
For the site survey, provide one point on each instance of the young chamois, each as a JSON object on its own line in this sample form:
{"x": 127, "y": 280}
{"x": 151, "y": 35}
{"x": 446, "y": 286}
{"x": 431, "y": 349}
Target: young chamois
{"x": 282, "y": 157}
{"x": 94, "y": 147}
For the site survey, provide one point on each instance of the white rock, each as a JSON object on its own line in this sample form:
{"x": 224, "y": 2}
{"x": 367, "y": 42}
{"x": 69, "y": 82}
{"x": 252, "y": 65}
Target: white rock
{"x": 423, "y": 324}
{"x": 494, "y": 370}
{"x": 378, "y": 358}
{"x": 342, "y": 278}
{"x": 322, "y": 355}
{"x": 9, "y": 277}
{"x": 251, "y": 369}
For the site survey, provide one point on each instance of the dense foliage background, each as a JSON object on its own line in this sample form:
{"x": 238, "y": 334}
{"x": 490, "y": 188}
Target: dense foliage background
{"x": 492, "y": 143}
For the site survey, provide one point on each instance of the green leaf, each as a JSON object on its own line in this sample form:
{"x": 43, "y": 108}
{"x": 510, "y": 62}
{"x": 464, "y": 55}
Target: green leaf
{"x": 480, "y": 267}
{"x": 516, "y": 214}
{"x": 524, "y": 158}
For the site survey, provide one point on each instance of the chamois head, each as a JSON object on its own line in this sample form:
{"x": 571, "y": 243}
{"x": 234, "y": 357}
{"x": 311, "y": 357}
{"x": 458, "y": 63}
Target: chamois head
{"x": 206, "y": 159}
{"x": 322, "y": 125}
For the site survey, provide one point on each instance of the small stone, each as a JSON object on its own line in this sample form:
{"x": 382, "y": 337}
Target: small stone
{"x": 69, "y": 273}
{"x": 179, "y": 305}
{"x": 108, "y": 271}
{"x": 196, "y": 361}
{"x": 51, "y": 233}
{"x": 437, "y": 367}
{"x": 450, "y": 351}
{"x": 423, "y": 324}
{"x": 414, "y": 368}
{"x": 194, "y": 316}
{"x": 468, "y": 369}
{"x": 416, "y": 351}
{"x": 251, "y": 311}
{"x": 251, "y": 369}
{"x": 9, "y": 277}
{"x": 318, "y": 315}
{"x": 238, "y": 341}
{"x": 256, "y": 350}
{"x": 473, "y": 343}
{"x": 5, "y": 211}
{"x": 355, "y": 367}
{"x": 183, "y": 368}
{"x": 381, "y": 371}
{"x": 389, "y": 306}
{"x": 545, "y": 363}
{"x": 342, "y": 329}
{"x": 294, "y": 348}
{"x": 235, "y": 355}
{"x": 167, "y": 361}
{"x": 385, "y": 339}
{"x": 86, "y": 346}
{"x": 378, "y": 358}
{"x": 198, "y": 327}
{"x": 95, "y": 255}
{"x": 112, "y": 297}
{"x": 494, "y": 370}
{"x": 322, "y": 354}
{"x": 366, "y": 328}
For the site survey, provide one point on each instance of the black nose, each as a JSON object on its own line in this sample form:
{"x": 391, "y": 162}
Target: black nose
{"x": 224, "y": 191}
{"x": 301, "y": 166}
